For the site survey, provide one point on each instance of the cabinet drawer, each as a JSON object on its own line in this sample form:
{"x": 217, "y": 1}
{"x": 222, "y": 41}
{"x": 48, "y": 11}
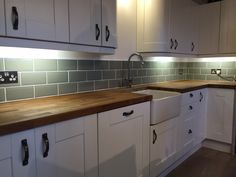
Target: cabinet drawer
{"x": 5, "y": 147}
{"x": 71, "y": 128}
{"x": 5, "y": 168}
{"x": 126, "y": 113}
{"x": 189, "y": 97}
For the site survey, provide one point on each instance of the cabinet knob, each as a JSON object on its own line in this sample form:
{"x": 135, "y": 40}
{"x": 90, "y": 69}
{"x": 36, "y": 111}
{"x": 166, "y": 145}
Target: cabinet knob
{"x": 191, "y": 95}
{"x": 97, "y": 31}
{"x": 190, "y": 131}
{"x": 154, "y": 137}
{"x": 126, "y": 114}
{"x": 107, "y": 33}
{"x": 45, "y": 145}
{"x": 25, "y": 151}
{"x": 190, "y": 107}
{"x": 14, "y": 18}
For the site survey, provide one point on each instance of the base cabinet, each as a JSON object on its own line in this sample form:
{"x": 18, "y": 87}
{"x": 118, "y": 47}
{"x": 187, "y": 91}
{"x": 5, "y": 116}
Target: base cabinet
{"x": 124, "y": 141}
{"x": 220, "y": 115}
{"x": 163, "y": 146}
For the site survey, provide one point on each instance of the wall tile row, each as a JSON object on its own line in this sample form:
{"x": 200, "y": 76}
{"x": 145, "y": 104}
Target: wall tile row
{"x": 41, "y": 77}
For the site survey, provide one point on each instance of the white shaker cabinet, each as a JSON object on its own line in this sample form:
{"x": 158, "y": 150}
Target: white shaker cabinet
{"x": 227, "y": 27}
{"x": 184, "y": 26}
{"x": 209, "y": 23}
{"x": 5, "y": 156}
{"x": 123, "y": 136}
{"x": 37, "y": 19}
{"x": 45, "y": 151}
{"x": 163, "y": 146}
{"x": 76, "y": 147}
{"x": 153, "y": 27}
{"x": 220, "y": 108}
{"x": 2, "y": 18}
{"x": 93, "y": 22}
{"x": 109, "y": 33}
{"x": 23, "y": 154}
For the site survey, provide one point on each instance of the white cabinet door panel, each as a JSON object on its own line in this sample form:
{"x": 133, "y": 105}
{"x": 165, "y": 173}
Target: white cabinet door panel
{"x": 62, "y": 20}
{"x": 123, "y": 144}
{"x": 220, "y": 114}
{"x": 5, "y": 168}
{"x": 77, "y": 156}
{"x": 20, "y": 141}
{"x": 154, "y": 25}
{"x": 109, "y": 37}
{"x": 209, "y": 23}
{"x": 2, "y": 18}
{"x": 227, "y": 27}
{"x": 5, "y": 146}
{"x": 45, "y": 161}
{"x": 40, "y": 19}
{"x": 16, "y": 7}
{"x": 163, "y": 146}
{"x": 84, "y": 16}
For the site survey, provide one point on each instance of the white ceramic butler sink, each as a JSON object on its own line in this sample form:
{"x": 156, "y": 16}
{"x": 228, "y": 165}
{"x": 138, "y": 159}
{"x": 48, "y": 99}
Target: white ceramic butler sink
{"x": 165, "y": 105}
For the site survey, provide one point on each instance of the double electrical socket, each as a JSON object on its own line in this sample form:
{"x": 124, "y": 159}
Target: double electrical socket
{"x": 8, "y": 77}
{"x": 216, "y": 71}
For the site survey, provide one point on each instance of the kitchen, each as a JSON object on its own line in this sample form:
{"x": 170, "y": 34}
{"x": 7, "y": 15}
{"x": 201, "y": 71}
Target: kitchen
{"x": 65, "y": 106}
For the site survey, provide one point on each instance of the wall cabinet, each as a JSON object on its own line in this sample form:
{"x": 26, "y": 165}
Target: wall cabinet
{"x": 24, "y": 18}
{"x": 123, "y": 136}
{"x": 209, "y": 28}
{"x": 2, "y": 18}
{"x": 220, "y": 108}
{"x": 227, "y": 27}
{"x": 99, "y": 22}
{"x": 184, "y": 27}
{"x": 153, "y": 27}
{"x": 167, "y": 26}
{"x": 163, "y": 146}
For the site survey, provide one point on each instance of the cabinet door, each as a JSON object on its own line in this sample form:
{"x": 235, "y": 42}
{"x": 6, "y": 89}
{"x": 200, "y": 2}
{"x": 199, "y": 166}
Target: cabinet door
{"x": 45, "y": 151}
{"x": 15, "y": 18}
{"x": 163, "y": 146}
{"x": 109, "y": 37}
{"x": 184, "y": 26}
{"x": 209, "y": 23}
{"x": 5, "y": 168}
{"x": 220, "y": 114}
{"x": 85, "y": 22}
{"x": 23, "y": 154}
{"x": 76, "y": 148}
{"x": 2, "y": 18}
{"x": 153, "y": 33}
{"x": 124, "y": 141}
{"x": 62, "y": 20}
{"x": 40, "y": 19}
{"x": 227, "y": 27}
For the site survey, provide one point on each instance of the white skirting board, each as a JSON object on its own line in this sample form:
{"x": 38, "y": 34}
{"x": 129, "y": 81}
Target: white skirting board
{"x": 219, "y": 146}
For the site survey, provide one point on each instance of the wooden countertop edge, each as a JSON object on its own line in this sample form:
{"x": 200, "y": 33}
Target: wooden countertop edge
{"x": 23, "y": 125}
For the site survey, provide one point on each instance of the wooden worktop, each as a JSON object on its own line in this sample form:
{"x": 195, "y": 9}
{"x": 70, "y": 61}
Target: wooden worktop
{"x": 190, "y": 85}
{"x": 23, "y": 115}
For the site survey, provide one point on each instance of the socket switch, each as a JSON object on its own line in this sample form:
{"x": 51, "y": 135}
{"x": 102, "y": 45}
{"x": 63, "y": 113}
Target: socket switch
{"x": 8, "y": 77}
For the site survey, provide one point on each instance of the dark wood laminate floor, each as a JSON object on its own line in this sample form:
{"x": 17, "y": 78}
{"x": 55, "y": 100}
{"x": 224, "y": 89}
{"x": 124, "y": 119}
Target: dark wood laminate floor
{"x": 207, "y": 163}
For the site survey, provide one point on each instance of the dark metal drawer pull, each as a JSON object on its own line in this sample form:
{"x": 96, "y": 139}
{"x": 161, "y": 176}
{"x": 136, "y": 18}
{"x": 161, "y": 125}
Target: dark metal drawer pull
{"x": 126, "y": 114}
{"x": 191, "y": 95}
{"x": 154, "y": 137}
{"x": 45, "y": 145}
{"x": 190, "y": 107}
{"x": 201, "y": 97}
{"x": 25, "y": 152}
{"x": 14, "y": 18}
{"x": 190, "y": 131}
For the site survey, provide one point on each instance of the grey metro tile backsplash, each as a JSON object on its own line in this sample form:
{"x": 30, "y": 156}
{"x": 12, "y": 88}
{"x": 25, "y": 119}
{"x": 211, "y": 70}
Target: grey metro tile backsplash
{"x": 42, "y": 77}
